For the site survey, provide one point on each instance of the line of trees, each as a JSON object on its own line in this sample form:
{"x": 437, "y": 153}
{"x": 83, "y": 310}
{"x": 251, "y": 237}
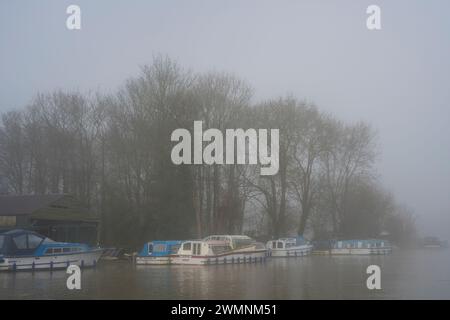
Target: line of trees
{"x": 113, "y": 153}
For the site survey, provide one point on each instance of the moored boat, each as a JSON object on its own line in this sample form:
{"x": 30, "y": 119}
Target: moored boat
{"x": 28, "y": 250}
{"x": 220, "y": 249}
{"x": 158, "y": 252}
{"x": 360, "y": 246}
{"x": 289, "y": 247}
{"x": 434, "y": 242}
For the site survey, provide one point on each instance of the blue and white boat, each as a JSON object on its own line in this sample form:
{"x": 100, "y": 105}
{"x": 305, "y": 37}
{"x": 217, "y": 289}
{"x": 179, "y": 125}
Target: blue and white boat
{"x": 360, "y": 246}
{"x": 28, "y": 250}
{"x": 158, "y": 252}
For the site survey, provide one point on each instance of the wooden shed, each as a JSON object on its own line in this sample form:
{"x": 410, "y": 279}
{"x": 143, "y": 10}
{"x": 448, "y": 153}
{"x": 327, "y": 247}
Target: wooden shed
{"x": 60, "y": 217}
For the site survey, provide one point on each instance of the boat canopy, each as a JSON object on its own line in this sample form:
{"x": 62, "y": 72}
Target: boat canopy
{"x": 20, "y": 242}
{"x": 160, "y": 248}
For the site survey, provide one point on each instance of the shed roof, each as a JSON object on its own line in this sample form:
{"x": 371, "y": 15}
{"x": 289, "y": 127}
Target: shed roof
{"x": 45, "y": 207}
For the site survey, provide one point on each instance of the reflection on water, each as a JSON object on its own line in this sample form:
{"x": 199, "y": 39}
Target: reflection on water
{"x": 419, "y": 274}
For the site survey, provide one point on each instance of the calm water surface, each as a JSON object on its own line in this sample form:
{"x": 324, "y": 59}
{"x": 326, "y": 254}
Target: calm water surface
{"x": 406, "y": 274}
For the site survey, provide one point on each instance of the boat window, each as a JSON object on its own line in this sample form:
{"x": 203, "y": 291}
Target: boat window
{"x": 239, "y": 243}
{"x": 290, "y": 244}
{"x": 56, "y": 250}
{"x": 20, "y": 241}
{"x": 187, "y": 246}
{"x": 196, "y": 248}
{"x": 174, "y": 248}
{"x": 280, "y": 245}
{"x": 159, "y": 248}
{"x": 34, "y": 241}
{"x": 274, "y": 245}
{"x": 75, "y": 249}
{"x": 150, "y": 248}
{"x": 65, "y": 250}
{"x": 218, "y": 249}
{"x": 49, "y": 251}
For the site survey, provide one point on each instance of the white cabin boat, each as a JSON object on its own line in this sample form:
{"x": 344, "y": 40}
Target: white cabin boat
{"x": 289, "y": 247}
{"x": 220, "y": 249}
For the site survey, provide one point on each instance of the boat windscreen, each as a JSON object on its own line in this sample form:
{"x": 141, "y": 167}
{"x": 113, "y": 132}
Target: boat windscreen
{"x": 159, "y": 247}
{"x": 218, "y": 249}
{"x": 290, "y": 244}
{"x": 174, "y": 248}
{"x": 239, "y": 243}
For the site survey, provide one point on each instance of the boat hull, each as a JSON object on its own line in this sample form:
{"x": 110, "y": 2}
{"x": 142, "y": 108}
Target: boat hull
{"x": 361, "y": 251}
{"x": 81, "y": 259}
{"x": 297, "y": 251}
{"x": 153, "y": 260}
{"x": 226, "y": 258}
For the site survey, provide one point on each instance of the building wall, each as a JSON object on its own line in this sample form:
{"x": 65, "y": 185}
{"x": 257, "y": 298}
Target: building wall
{"x": 73, "y": 231}
{"x": 7, "y": 221}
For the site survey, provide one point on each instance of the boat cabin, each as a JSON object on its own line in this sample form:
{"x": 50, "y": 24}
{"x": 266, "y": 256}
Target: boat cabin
{"x": 204, "y": 248}
{"x": 286, "y": 243}
{"x": 281, "y": 244}
{"x": 360, "y": 244}
{"x": 235, "y": 241}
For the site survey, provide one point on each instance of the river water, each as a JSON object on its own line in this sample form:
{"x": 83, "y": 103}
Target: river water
{"x": 405, "y": 274}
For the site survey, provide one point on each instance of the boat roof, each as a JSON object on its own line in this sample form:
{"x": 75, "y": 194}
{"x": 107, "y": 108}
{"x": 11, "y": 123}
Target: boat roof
{"x": 360, "y": 240}
{"x": 218, "y": 242}
{"x": 286, "y": 239}
{"x": 236, "y": 236}
{"x": 166, "y": 242}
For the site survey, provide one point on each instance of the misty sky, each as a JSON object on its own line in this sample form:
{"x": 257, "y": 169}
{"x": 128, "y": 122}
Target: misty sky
{"x": 398, "y": 78}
